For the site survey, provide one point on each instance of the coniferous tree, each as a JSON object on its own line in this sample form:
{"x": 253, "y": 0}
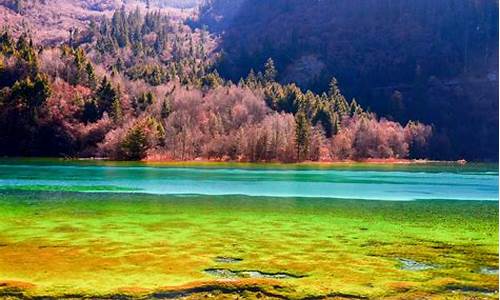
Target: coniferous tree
{"x": 80, "y": 64}
{"x": 42, "y": 90}
{"x": 356, "y": 109}
{"x": 134, "y": 144}
{"x": 106, "y": 96}
{"x": 251, "y": 80}
{"x": 6, "y": 44}
{"x": 142, "y": 102}
{"x": 31, "y": 94}
{"x": 212, "y": 80}
{"x": 270, "y": 72}
{"x": 91, "y": 78}
{"x": 302, "y": 135}
{"x": 26, "y": 53}
{"x": 117, "y": 112}
{"x": 90, "y": 112}
{"x": 120, "y": 27}
{"x": 341, "y": 104}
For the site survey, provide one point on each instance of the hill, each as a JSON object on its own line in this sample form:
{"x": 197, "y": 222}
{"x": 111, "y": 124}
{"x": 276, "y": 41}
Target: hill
{"x": 49, "y": 22}
{"x": 435, "y": 61}
{"x": 141, "y": 85}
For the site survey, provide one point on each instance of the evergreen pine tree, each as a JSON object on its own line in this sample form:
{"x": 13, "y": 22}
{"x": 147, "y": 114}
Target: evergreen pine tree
{"x": 302, "y": 135}
{"x": 90, "y": 112}
{"x": 251, "y": 80}
{"x": 336, "y": 97}
{"x": 91, "y": 78}
{"x": 134, "y": 145}
{"x": 270, "y": 72}
{"x": 117, "y": 112}
{"x": 106, "y": 96}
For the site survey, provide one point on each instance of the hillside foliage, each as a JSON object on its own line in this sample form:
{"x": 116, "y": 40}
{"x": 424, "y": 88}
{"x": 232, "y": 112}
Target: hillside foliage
{"x": 86, "y": 98}
{"x": 428, "y": 60}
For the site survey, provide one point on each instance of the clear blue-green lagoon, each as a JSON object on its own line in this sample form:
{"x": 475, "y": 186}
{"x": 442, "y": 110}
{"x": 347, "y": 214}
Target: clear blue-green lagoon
{"x": 104, "y": 229}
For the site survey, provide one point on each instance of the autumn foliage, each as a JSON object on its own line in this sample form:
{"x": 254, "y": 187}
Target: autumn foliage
{"x": 70, "y": 101}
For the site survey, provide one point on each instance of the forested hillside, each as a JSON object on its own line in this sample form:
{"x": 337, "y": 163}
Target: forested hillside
{"x": 435, "y": 61}
{"x": 141, "y": 84}
{"x": 50, "y": 21}
{"x": 250, "y": 80}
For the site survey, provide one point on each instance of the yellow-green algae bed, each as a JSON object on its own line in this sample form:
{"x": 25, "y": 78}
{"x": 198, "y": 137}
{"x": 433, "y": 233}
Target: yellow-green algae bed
{"x": 66, "y": 242}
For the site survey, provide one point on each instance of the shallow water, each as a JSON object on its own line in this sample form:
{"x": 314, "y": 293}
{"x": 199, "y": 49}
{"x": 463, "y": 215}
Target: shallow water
{"x": 399, "y": 183}
{"x": 101, "y": 228}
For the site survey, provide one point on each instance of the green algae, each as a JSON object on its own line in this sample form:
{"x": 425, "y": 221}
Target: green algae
{"x": 99, "y": 244}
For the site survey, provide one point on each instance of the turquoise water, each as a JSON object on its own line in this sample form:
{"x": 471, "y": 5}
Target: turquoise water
{"x": 404, "y": 183}
{"x": 94, "y": 228}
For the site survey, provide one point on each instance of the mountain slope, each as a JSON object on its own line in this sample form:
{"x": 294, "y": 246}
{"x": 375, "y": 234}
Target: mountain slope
{"x": 390, "y": 54}
{"x": 49, "y": 22}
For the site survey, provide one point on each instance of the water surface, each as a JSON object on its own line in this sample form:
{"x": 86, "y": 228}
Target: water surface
{"x": 474, "y": 182}
{"x": 106, "y": 229}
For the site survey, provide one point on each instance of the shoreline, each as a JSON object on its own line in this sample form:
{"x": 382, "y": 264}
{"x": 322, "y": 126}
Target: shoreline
{"x": 236, "y": 163}
{"x": 307, "y": 162}
{"x": 371, "y": 162}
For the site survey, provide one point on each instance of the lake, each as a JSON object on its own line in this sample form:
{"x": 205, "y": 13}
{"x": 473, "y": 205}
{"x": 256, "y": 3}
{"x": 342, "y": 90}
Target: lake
{"x": 107, "y": 229}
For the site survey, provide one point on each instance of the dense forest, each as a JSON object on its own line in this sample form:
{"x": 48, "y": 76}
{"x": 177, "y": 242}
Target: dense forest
{"x": 250, "y": 80}
{"x": 141, "y": 85}
{"x": 428, "y": 60}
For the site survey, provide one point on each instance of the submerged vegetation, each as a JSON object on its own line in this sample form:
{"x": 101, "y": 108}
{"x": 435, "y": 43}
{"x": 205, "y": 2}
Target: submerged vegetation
{"x": 136, "y": 230}
{"x": 145, "y": 246}
{"x": 143, "y": 86}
